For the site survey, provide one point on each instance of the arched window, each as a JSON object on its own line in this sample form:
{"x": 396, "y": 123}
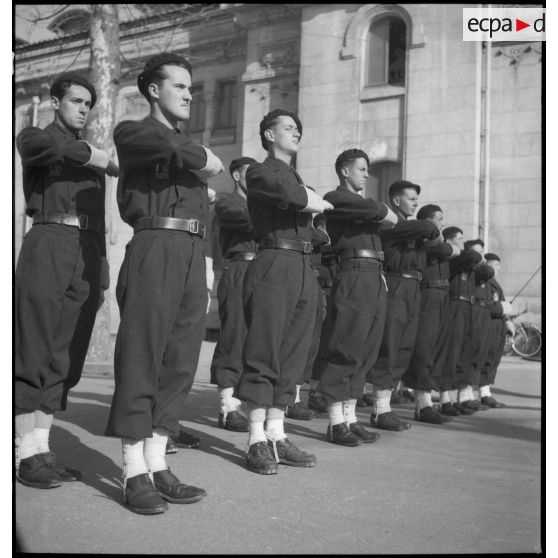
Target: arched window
{"x": 387, "y": 50}
{"x": 382, "y": 174}
{"x": 71, "y": 21}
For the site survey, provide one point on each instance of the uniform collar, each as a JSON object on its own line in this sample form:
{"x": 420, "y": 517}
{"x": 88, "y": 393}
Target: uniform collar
{"x": 64, "y": 130}
{"x": 154, "y": 122}
{"x": 279, "y": 163}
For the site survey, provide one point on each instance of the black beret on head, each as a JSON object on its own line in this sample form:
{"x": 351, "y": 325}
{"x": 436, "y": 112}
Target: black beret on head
{"x": 491, "y": 256}
{"x": 269, "y": 118}
{"x": 78, "y": 80}
{"x": 470, "y": 243}
{"x": 241, "y": 161}
{"x": 400, "y": 185}
{"x": 155, "y": 62}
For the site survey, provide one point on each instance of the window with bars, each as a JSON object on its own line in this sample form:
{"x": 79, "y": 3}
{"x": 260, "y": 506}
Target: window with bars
{"x": 226, "y": 104}
{"x": 387, "y": 50}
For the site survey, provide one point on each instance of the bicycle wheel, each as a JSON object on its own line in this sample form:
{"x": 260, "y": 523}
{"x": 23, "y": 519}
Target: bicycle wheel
{"x": 527, "y": 341}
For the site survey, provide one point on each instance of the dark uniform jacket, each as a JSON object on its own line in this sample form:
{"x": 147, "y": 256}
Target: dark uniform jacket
{"x": 497, "y": 297}
{"x": 437, "y": 263}
{"x": 353, "y": 223}
{"x": 483, "y": 273}
{"x": 462, "y": 278}
{"x": 275, "y": 198}
{"x": 54, "y": 176}
{"x": 235, "y": 227}
{"x": 156, "y": 178}
{"x": 402, "y": 244}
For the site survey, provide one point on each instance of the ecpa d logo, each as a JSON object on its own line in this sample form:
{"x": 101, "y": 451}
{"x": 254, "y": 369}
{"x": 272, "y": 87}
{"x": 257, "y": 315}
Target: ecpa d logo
{"x": 504, "y": 24}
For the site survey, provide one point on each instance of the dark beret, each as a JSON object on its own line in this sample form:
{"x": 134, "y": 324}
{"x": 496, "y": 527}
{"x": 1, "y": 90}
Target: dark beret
{"x": 491, "y": 256}
{"x": 155, "y": 62}
{"x": 427, "y": 211}
{"x": 396, "y": 187}
{"x": 271, "y": 116}
{"x": 241, "y": 161}
{"x": 72, "y": 77}
{"x": 470, "y": 243}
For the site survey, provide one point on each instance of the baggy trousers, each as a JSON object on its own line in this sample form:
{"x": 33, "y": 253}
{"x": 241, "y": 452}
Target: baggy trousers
{"x": 162, "y": 297}
{"x": 280, "y": 296}
{"x": 226, "y": 366}
{"x": 497, "y": 342}
{"x": 400, "y": 330}
{"x": 431, "y": 340}
{"x": 57, "y": 287}
{"x": 474, "y": 351}
{"x": 321, "y": 309}
{"x": 353, "y": 329}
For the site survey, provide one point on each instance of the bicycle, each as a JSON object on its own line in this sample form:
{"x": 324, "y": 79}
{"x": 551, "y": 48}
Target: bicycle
{"x": 527, "y": 341}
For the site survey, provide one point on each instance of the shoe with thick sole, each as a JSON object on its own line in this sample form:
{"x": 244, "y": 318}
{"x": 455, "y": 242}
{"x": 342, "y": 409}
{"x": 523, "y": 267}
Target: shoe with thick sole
{"x": 34, "y": 472}
{"x": 65, "y": 473}
{"x": 141, "y": 497}
{"x": 185, "y": 440}
{"x": 169, "y": 487}
{"x": 467, "y": 407}
{"x": 430, "y": 416}
{"x": 299, "y": 412}
{"x": 357, "y": 428}
{"x": 317, "y": 402}
{"x": 234, "y": 421}
{"x": 389, "y": 421}
{"x": 489, "y": 401}
{"x": 341, "y": 434}
{"x": 259, "y": 459}
{"x": 449, "y": 410}
{"x": 287, "y": 453}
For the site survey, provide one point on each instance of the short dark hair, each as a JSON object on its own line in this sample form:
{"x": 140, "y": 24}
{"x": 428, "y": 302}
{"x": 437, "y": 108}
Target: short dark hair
{"x": 349, "y": 156}
{"x": 240, "y": 162}
{"x": 450, "y": 232}
{"x": 474, "y": 242}
{"x": 400, "y": 185}
{"x": 428, "y": 211}
{"x": 491, "y": 256}
{"x": 64, "y": 81}
{"x": 271, "y": 118}
{"x": 158, "y": 75}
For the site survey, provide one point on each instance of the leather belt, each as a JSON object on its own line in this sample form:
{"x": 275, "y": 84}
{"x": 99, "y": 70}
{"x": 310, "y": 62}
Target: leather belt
{"x": 297, "y": 245}
{"x": 433, "y": 283}
{"x": 416, "y": 275}
{"x": 82, "y": 222}
{"x": 192, "y": 226}
{"x": 354, "y": 253}
{"x": 243, "y": 257}
{"x": 469, "y": 299}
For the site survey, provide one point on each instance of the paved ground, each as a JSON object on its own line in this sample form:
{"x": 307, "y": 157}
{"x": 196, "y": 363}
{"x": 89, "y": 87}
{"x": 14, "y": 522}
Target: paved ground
{"x": 473, "y": 486}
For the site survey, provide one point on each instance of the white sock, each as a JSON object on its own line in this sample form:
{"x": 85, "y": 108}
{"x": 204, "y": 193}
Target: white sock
{"x": 256, "y": 418}
{"x": 154, "y": 451}
{"x": 335, "y": 412}
{"x": 453, "y": 395}
{"x": 381, "y": 401}
{"x": 485, "y": 391}
{"x": 274, "y": 429}
{"x": 423, "y": 398}
{"x": 41, "y": 439}
{"x": 466, "y": 394}
{"x": 297, "y": 396}
{"x": 445, "y": 397}
{"x": 132, "y": 458}
{"x": 349, "y": 411}
{"x": 368, "y": 388}
{"x": 25, "y": 437}
{"x": 227, "y": 400}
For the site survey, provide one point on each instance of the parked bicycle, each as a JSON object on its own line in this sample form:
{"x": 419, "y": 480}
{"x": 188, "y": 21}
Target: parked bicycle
{"x": 527, "y": 340}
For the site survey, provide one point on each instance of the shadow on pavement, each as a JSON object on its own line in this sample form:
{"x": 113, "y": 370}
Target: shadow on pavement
{"x": 513, "y": 393}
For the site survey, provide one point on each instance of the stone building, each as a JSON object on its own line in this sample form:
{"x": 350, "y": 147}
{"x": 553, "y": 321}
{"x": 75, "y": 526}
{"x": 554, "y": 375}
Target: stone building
{"x": 463, "y": 119}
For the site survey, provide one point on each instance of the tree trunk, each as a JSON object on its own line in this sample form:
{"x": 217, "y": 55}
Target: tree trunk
{"x": 104, "y": 74}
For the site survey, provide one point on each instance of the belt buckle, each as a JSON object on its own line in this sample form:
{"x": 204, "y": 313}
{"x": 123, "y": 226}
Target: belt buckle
{"x": 83, "y": 219}
{"x": 193, "y": 226}
{"x": 307, "y": 247}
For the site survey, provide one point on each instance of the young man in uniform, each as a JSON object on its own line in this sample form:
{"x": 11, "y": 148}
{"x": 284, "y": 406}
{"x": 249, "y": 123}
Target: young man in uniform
{"x": 280, "y": 294}
{"x": 433, "y": 321}
{"x": 404, "y": 261}
{"x": 500, "y": 326}
{"x": 61, "y": 270}
{"x": 462, "y": 286}
{"x": 356, "y": 314}
{"x": 237, "y": 246}
{"x": 162, "y": 292}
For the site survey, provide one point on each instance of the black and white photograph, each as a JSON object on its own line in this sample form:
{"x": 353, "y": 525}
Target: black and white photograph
{"x": 277, "y": 279}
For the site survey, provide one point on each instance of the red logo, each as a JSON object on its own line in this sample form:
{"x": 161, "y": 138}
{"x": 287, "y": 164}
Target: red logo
{"x": 519, "y": 24}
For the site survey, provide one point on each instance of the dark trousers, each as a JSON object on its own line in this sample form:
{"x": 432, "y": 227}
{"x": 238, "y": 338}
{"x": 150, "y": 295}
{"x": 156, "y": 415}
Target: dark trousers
{"x": 56, "y": 299}
{"x": 280, "y": 296}
{"x": 353, "y": 329}
{"x": 400, "y": 330}
{"x": 473, "y": 353}
{"x": 431, "y": 340}
{"x": 162, "y": 297}
{"x": 321, "y": 309}
{"x": 497, "y": 342}
{"x": 226, "y": 366}
{"x": 319, "y": 360}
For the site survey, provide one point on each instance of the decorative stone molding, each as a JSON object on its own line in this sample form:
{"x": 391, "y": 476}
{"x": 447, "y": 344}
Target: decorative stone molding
{"x": 518, "y": 53}
{"x": 278, "y": 55}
